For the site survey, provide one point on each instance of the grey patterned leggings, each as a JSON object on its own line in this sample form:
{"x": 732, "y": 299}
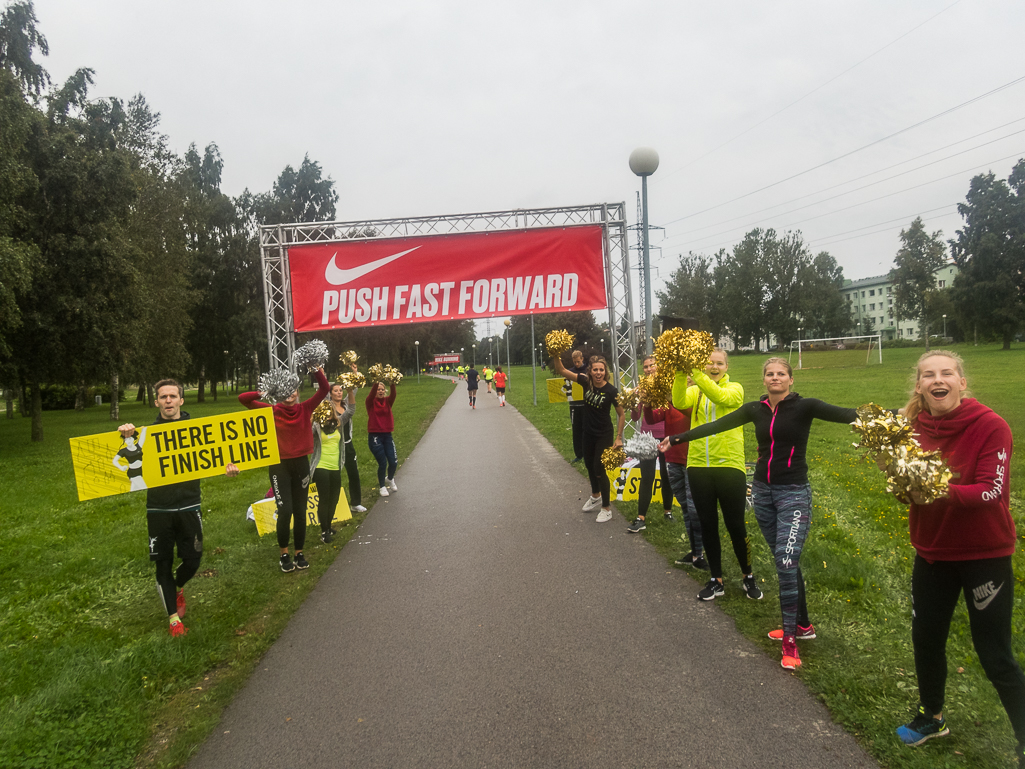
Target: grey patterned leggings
{"x": 784, "y": 515}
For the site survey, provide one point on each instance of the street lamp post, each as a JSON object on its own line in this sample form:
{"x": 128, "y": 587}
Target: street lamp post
{"x": 644, "y": 162}
{"x": 798, "y": 347}
{"x": 475, "y": 356}
{"x": 603, "y": 345}
{"x": 417, "y": 345}
{"x": 944, "y": 327}
{"x": 508, "y": 360}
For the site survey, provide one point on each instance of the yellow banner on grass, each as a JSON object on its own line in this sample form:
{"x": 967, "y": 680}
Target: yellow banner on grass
{"x": 265, "y": 512}
{"x": 625, "y": 484}
{"x": 173, "y": 452}
{"x": 562, "y": 390}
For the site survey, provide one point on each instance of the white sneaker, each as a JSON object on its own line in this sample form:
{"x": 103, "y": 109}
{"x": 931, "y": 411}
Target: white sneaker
{"x": 592, "y": 503}
{"x": 392, "y": 485}
{"x": 359, "y": 509}
{"x": 603, "y": 516}
{"x": 384, "y": 491}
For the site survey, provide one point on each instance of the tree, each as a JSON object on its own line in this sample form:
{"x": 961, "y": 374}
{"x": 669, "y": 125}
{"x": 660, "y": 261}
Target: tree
{"x": 298, "y": 196}
{"x": 821, "y": 306}
{"x": 989, "y": 290}
{"x": 691, "y": 292}
{"x": 19, "y": 39}
{"x": 741, "y": 280}
{"x": 914, "y": 274}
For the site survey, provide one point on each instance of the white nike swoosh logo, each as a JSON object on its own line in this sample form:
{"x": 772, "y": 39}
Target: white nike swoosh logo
{"x": 336, "y": 276}
{"x": 980, "y": 605}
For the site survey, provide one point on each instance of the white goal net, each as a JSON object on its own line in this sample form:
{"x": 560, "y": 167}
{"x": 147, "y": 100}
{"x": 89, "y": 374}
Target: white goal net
{"x": 836, "y": 351}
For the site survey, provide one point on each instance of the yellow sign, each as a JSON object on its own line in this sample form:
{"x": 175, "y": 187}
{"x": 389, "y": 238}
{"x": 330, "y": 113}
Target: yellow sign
{"x": 625, "y": 484}
{"x": 561, "y": 390}
{"x": 172, "y": 452}
{"x": 265, "y": 512}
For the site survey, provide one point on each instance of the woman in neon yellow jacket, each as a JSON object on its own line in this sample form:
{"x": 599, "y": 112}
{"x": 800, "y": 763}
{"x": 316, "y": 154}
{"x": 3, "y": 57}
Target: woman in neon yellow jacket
{"x": 715, "y": 469}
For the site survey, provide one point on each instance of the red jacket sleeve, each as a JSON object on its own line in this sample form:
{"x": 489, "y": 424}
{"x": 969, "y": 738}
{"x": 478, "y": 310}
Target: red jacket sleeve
{"x": 252, "y": 400}
{"x": 391, "y": 396}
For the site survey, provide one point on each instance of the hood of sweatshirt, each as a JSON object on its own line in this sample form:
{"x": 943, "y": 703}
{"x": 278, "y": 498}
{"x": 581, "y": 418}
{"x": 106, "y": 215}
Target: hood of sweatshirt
{"x": 942, "y": 428}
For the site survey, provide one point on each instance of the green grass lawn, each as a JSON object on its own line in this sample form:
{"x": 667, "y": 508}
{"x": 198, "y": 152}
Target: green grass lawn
{"x": 90, "y": 676}
{"x": 857, "y": 559}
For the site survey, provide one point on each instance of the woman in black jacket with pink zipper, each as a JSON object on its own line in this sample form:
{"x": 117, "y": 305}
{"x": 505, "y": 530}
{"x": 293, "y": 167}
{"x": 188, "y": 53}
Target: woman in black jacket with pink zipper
{"x": 781, "y": 492}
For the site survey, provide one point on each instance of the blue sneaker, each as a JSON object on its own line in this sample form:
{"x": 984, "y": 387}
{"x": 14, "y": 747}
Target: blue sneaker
{"x": 922, "y": 727}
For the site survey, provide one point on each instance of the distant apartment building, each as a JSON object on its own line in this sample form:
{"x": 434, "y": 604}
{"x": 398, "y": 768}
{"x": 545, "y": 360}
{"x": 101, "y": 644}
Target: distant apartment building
{"x": 871, "y": 301}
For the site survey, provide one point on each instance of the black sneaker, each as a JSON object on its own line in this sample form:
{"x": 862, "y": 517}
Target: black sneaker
{"x": 668, "y": 517}
{"x": 326, "y": 537}
{"x": 636, "y": 526}
{"x": 685, "y": 560}
{"x": 751, "y": 588}
{"x": 712, "y": 590}
{"x": 701, "y": 563}
{"x": 300, "y": 561}
{"x": 575, "y": 460}
{"x": 922, "y": 727}
{"x": 286, "y": 563}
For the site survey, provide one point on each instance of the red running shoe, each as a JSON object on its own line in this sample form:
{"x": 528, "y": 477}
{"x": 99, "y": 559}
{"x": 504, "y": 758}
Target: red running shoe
{"x": 177, "y": 629}
{"x": 791, "y": 659}
{"x": 803, "y": 633}
{"x": 180, "y": 601}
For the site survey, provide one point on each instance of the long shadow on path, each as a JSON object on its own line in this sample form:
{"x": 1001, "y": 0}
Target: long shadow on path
{"x": 479, "y": 618}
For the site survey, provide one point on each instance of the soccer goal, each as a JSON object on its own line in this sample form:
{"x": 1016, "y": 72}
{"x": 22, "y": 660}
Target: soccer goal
{"x": 837, "y": 351}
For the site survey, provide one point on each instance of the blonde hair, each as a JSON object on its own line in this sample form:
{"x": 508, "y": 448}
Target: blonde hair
{"x": 725, "y": 355}
{"x": 916, "y": 401}
{"x": 781, "y": 362}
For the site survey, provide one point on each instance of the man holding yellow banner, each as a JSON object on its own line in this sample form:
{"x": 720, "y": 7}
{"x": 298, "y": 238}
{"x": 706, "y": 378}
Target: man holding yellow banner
{"x": 172, "y": 512}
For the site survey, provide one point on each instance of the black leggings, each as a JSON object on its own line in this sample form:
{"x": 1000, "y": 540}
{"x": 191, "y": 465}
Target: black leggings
{"x": 726, "y": 486}
{"x": 988, "y": 588}
{"x": 169, "y": 580}
{"x": 576, "y": 421}
{"x": 290, "y": 481}
{"x": 648, "y": 483}
{"x": 352, "y": 470}
{"x": 329, "y": 488}
{"x": 593, "y": 448}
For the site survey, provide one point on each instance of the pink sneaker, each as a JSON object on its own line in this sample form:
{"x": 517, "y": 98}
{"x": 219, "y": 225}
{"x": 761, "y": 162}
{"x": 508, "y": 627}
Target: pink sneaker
{"x": 803, "y": 633}
{"x": 791, "y": 658}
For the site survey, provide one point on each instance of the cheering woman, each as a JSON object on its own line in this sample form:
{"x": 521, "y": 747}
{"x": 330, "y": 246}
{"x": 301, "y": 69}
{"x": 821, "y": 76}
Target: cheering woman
{"x": 341, "y": 403}
{"x": 599, "y": 398}
{"x": 781, "y": 492}
{"x": 380, "y": 424}
{"x": 715, "y": 469}
{"x": 653, "y": 423}
{"x": 290, "y": 478}
{"x": 963, "y": 544}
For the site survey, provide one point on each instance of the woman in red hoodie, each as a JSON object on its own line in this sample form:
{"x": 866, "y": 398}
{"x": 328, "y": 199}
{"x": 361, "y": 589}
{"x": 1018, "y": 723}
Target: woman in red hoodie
{"x": 380, "y": 424}
{"x": 963, "y": 543}
{"x": 290, "y": 478}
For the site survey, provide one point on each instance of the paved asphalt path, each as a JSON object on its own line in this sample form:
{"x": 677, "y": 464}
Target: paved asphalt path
{"x": 479, "y": 619}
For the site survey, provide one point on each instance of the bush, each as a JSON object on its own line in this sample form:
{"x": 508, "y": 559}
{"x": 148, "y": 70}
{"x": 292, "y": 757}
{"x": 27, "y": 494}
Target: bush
{"x": 61, "y": 397}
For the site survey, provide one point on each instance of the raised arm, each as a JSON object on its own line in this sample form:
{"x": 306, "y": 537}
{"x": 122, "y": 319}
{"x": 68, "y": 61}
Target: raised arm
{"x": 684, "y": 395}
{"x": 729, "y": 394}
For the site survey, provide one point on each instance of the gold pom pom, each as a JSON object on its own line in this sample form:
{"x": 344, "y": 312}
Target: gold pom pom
{"x": 630, "y": 397}
{"x": 613, "y": 458}
{"x": 889, "y": 440}
{"x": 557, "y": 342}
{"x": 348, "y": 357}
{"x": 324, "y": 414}
{"x": 682, "y": 350}
{"x": 351, "y": 380}
{"x": 384, "y": 373}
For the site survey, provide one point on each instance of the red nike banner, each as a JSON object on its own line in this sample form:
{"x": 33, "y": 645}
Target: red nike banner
{"x": 445, "y": 277}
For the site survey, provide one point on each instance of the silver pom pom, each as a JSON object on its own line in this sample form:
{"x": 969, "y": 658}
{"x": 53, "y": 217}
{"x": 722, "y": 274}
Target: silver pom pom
{"x": 310, "y": 356}
{"x": 277, "y": 385}
{"x": 642, "y": 446}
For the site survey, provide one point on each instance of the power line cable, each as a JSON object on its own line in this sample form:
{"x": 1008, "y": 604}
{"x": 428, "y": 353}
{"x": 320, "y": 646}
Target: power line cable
{"x": 872, "y": 173}
{"x": 871, "y": 200}
{"x": 837, "y": 237}
{"x": 814, "y": 90}
{"x": 864, "y": 186}
{"x": 919, "y": 124}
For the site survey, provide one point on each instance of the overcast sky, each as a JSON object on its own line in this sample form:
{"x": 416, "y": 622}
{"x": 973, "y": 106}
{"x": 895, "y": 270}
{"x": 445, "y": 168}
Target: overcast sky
{"x": 418, "y": 108}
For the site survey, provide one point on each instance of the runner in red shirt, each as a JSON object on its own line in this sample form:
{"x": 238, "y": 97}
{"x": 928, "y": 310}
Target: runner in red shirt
{"x": 500, "y": 379}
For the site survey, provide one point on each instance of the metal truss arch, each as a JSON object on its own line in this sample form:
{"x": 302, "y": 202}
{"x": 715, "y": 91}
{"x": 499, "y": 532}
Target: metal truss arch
{"x": 275, "y": 241}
